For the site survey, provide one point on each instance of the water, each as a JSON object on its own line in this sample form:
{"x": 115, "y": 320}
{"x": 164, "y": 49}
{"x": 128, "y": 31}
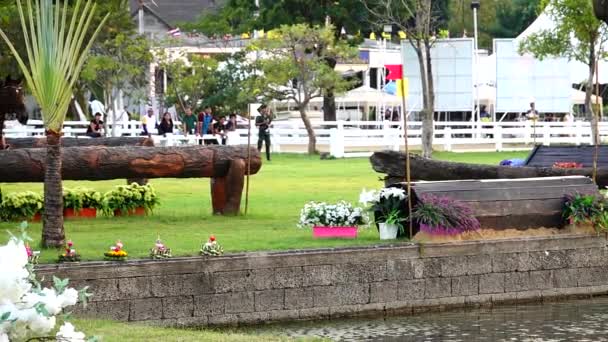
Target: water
{"x": 581, "y": 320}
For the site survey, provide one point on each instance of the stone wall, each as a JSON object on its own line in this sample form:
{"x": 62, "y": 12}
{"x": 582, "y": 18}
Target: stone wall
{"x": 263, "y": 287}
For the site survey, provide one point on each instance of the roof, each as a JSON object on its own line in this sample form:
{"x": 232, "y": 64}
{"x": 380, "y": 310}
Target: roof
{"x": 173, "y": 12}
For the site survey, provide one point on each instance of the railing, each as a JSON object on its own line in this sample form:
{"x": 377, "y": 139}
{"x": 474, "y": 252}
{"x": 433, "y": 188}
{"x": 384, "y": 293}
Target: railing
{"x": 361, "y": 138}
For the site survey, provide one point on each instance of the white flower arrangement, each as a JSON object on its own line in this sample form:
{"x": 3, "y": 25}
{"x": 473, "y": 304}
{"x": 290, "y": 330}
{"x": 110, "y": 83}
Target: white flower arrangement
{"x": 386, "y": 204}
{"x": 341, "y": 214}
{"x": 26, "y": 309}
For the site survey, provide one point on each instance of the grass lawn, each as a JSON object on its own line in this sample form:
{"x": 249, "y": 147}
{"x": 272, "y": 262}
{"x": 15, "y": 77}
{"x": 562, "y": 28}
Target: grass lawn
{"x": 277, "y": 194}
{"x": 115, "y": 331}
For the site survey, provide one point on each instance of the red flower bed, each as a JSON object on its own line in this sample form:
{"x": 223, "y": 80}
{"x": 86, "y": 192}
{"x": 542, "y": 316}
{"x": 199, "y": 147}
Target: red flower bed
{"x": 567, "y": 165}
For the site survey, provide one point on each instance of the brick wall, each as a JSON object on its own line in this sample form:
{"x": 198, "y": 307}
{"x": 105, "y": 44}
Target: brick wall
{"x": 263, "y": 287}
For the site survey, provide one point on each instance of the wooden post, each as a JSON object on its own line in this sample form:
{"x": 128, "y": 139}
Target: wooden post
{"x": 407, "y": 159}
{"x": 248, "y": 162}
{"x": 597, "y": 119}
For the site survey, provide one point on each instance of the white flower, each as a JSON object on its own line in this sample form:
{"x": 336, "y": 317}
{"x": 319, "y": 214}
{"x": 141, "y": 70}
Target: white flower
{"x": 67, "y": 332}
{"x": 69, "y": 297}
{"x": 4, "y": 337}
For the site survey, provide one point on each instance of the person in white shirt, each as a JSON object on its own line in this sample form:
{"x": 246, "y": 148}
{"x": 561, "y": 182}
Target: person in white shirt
{"x": 149, "y": 123}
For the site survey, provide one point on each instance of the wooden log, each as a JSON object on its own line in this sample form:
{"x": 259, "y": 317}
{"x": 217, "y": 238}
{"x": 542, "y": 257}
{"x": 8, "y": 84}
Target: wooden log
{"x": 393, "y": 165}
{"x": 224, "y": 164}
{"x": 17, "y": 143}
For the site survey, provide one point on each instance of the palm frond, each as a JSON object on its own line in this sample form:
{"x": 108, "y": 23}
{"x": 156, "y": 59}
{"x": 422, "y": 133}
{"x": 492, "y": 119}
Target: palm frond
{"x": 55, "y": 52}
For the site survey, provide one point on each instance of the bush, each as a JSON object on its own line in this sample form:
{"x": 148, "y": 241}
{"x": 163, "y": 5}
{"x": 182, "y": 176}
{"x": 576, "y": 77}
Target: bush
{"x": 21, "y": 205}
{"x": 129, "y": 197}
{"x": 341, "y": 214}
{"x": 580, "y": 208}
{"x": 79, "y": 198}
{"x": 444, "y": 216}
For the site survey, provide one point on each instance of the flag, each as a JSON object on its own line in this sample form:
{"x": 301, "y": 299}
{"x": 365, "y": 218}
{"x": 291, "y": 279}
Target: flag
{"x": 395, "y": 72}
{"x": 175, "y": 32}
{"x": 402, "y": 87}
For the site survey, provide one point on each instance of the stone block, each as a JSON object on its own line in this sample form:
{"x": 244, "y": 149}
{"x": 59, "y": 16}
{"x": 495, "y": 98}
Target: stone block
{"x": 346, "y": 294}
{"x": 178, "y": 307}
{"x": 590, "y": 257}
{"x": 479, "y": 264}
{"x": 437, "y": 287}
{"x": 517, "y": 281}
{"x": 90, "y": 310}
{"x": 541, "y": 280}
{"x": 526, "y": 263}
{"x": 504, "y": 298}
{"x": 314, "y": 313}
{"x": 355, "y": 310}
{"x": 465, "y": 285}
{"x": 298, "y": 298}
{"x": 232, "y": 281}
{"x": 565, "y": 277}
{"x": 506, "y": 262}
{"x": 492, "y": 283}
{"x": 263, "y": 279}
{"x": 549, "y": 260}
{"x": 358, "y": 273}
{"x": 288, "y": 277}
{"x": 531, "y": 296}
{"x": 103, "y": 289}
{"x": 410, "y": 289}
{"x": 252, "y": 317}
{"x": 211, "y": 304}
{"x": 132, "y": 288}
{"x": 114, "y": 310}
{"x": 317, "y": 275}
{"x": 592, "y": 276}
{"x": 426, "y": 268}
{"x": 239, "y": 302}
{"x": 454, "y": 266}
{"x": 383, "y": 292}
{"x": 269, "y": 300}
{"x": 283, "y": 315}
{"x": 398, "y": 308}
{"x": 222, "y": 320}
{"x": 145, "y": 309}
{"x": 189, "y": 322}
{"x": 476, "y": 300}
{"x": 399, "y": 269}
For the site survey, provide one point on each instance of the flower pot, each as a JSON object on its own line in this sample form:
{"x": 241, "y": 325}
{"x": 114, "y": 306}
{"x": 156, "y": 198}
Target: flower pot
{"x": 139, "y": 211}
{"x": 334, "y": 232}
{"x": 84, "y": 212}
{"x": 37, "y": 217}
{"x": 388, "y": 231}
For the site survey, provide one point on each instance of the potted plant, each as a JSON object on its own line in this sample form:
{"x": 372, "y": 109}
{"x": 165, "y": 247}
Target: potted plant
{"x": 22, "y": 206}
{"x": 583, "y": 209}
{"x": 211, "y": 248}
{"x": 116, "y": 252}
{"x": 133, "y": 199}
{"x": 437, "y": 215}
{"x": 160, "y": 251}
{"x": 81, "y": 202}
{"x": 338, "y": 220}
{"x": 70, "y": 254}
{"x": 386, "y": 204}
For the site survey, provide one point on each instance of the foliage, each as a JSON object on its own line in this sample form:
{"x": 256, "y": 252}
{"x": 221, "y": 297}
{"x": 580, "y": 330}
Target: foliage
{"x": 387, "y": 202}
{"x": 294, "y": 67}
{"x": 230, "y": 91}
{"x": 79, "y": 198}
{"x": 443, "y": 215}
{"x": 580, "y": 208}
{"x": 341, "y": 214}
{"x": 130, "y": 197}
{"x": 21, "y": 205}
{"x": 27, "y": 310}
{"x": 70, "y": 254}
{"x": 160, "y": 251}
{"x": 212, "y": 247}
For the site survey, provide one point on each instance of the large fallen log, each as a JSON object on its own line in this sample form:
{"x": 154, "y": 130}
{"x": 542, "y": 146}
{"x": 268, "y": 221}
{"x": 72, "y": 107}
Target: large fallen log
{"x": 224, "y": 164}
{"x": 393, "y": 165}
{"x": 17, "y": 143}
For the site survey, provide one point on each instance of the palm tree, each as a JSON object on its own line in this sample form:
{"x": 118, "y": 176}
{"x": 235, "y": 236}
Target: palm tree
{"x": 56, "y": 48}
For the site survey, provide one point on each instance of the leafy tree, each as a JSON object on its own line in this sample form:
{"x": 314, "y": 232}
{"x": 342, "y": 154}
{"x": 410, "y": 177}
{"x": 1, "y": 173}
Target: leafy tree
{"x": 294, "y": 67}
{"x": 574, "y": 19}
{"x": 513, "y": 17}
{"x": 231, "y": 91}
{"x": 56, "y": 51}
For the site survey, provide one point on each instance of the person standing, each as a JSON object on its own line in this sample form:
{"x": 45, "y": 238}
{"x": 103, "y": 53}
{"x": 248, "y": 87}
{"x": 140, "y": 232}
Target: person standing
{"x": 189, "y": 122}
{"x": 166, "y": 125}
{"x": 219, "y": 128}
{"x": 205, "y": 119}
{"x": 262, "y": 122}
{"x": 148, "y": 122}
{"x": 532, "y": 113}
{"x": 95, "y": 127}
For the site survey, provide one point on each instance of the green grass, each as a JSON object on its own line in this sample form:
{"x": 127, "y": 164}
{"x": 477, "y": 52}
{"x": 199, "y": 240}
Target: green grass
{"x": 277, "y": 194}
{"x": 115, "y": 331}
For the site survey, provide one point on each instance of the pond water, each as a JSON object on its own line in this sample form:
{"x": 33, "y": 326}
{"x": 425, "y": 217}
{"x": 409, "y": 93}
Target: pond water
{"x": 580, "y": 320}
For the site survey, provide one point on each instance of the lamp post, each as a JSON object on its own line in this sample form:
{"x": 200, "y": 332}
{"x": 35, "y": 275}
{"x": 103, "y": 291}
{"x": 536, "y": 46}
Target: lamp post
{"x": 475, "y": 5}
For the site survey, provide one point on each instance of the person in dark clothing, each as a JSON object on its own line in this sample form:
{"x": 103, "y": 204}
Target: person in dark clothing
{"x": 231, "y": 124}
{"x": 95, "y": 127}
{"x": 166, "y": 125}
{"x": 219, "y": 128}
{"x": 263, "y": 122}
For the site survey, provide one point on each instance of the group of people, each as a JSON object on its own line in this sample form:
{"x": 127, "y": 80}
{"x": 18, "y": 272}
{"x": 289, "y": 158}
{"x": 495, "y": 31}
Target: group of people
{"x": 206, "y": 124}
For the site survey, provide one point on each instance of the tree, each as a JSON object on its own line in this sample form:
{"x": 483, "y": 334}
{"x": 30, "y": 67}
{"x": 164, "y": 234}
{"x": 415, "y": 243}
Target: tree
{"x": 56, "y": 52}
{"x": 293, "y": 67}
{"x": 513, "y": 17}
{"x": 231, "y": 92}
{"x": 574, "y": 19}
{"x": 420, "y": 20}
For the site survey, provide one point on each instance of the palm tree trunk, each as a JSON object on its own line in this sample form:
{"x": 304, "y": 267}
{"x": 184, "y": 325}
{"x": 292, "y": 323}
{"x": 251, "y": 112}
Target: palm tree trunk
{"x": 53, "y": 234}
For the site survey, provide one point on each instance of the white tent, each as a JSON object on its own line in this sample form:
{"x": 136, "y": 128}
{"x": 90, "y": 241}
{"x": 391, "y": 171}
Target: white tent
{"x": 578, "y": 97}
{"x": 368, "y": 95}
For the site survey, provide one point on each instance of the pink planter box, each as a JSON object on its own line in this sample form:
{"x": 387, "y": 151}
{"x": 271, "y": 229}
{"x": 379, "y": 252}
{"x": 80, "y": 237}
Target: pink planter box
{"x": 334, "y": 232}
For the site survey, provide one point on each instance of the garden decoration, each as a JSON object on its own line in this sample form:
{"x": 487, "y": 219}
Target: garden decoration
{"x": 567, "y": 165}
{"x": 444, "y": 216}
{"x": 81, "y": 202}
{"x": 32, "y": 256}
{"x": 160, "y": 251}
{"x": 19, "y": 206}
{"x": 586, "y": 209}
{"x": 225, "y": 165}
{"x": 116, "y": 253}
{"x": 338, "y": 220}
{"x": 28, "y": 311}
{"x": 70, "y": 254}
{"x": 212, "y": 248}
{"x": 387, "y": 206}
{"x": 392, "y": 163}
{"x": 133, "y": 199}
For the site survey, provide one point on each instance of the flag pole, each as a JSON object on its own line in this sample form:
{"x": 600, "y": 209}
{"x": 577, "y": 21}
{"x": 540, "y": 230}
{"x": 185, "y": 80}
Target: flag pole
{"x": 248, "y": 162}
{"x": 408, "y": 179}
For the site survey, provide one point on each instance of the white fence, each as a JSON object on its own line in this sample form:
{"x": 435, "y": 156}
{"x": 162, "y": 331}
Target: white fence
{"x": 361, "y": 138}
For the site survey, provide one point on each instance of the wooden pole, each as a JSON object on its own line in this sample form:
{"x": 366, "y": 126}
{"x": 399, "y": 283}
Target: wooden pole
{"x": 248, "y": 162}
{"x": 407, "y": 159}
{"x": 597, "y": 118}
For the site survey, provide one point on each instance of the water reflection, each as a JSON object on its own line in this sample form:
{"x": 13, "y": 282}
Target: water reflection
{"x": 584, "y": 320}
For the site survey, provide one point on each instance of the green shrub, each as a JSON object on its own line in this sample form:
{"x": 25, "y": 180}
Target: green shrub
{"x": 129, "y": 197}
{"x": 21, "y": 205}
